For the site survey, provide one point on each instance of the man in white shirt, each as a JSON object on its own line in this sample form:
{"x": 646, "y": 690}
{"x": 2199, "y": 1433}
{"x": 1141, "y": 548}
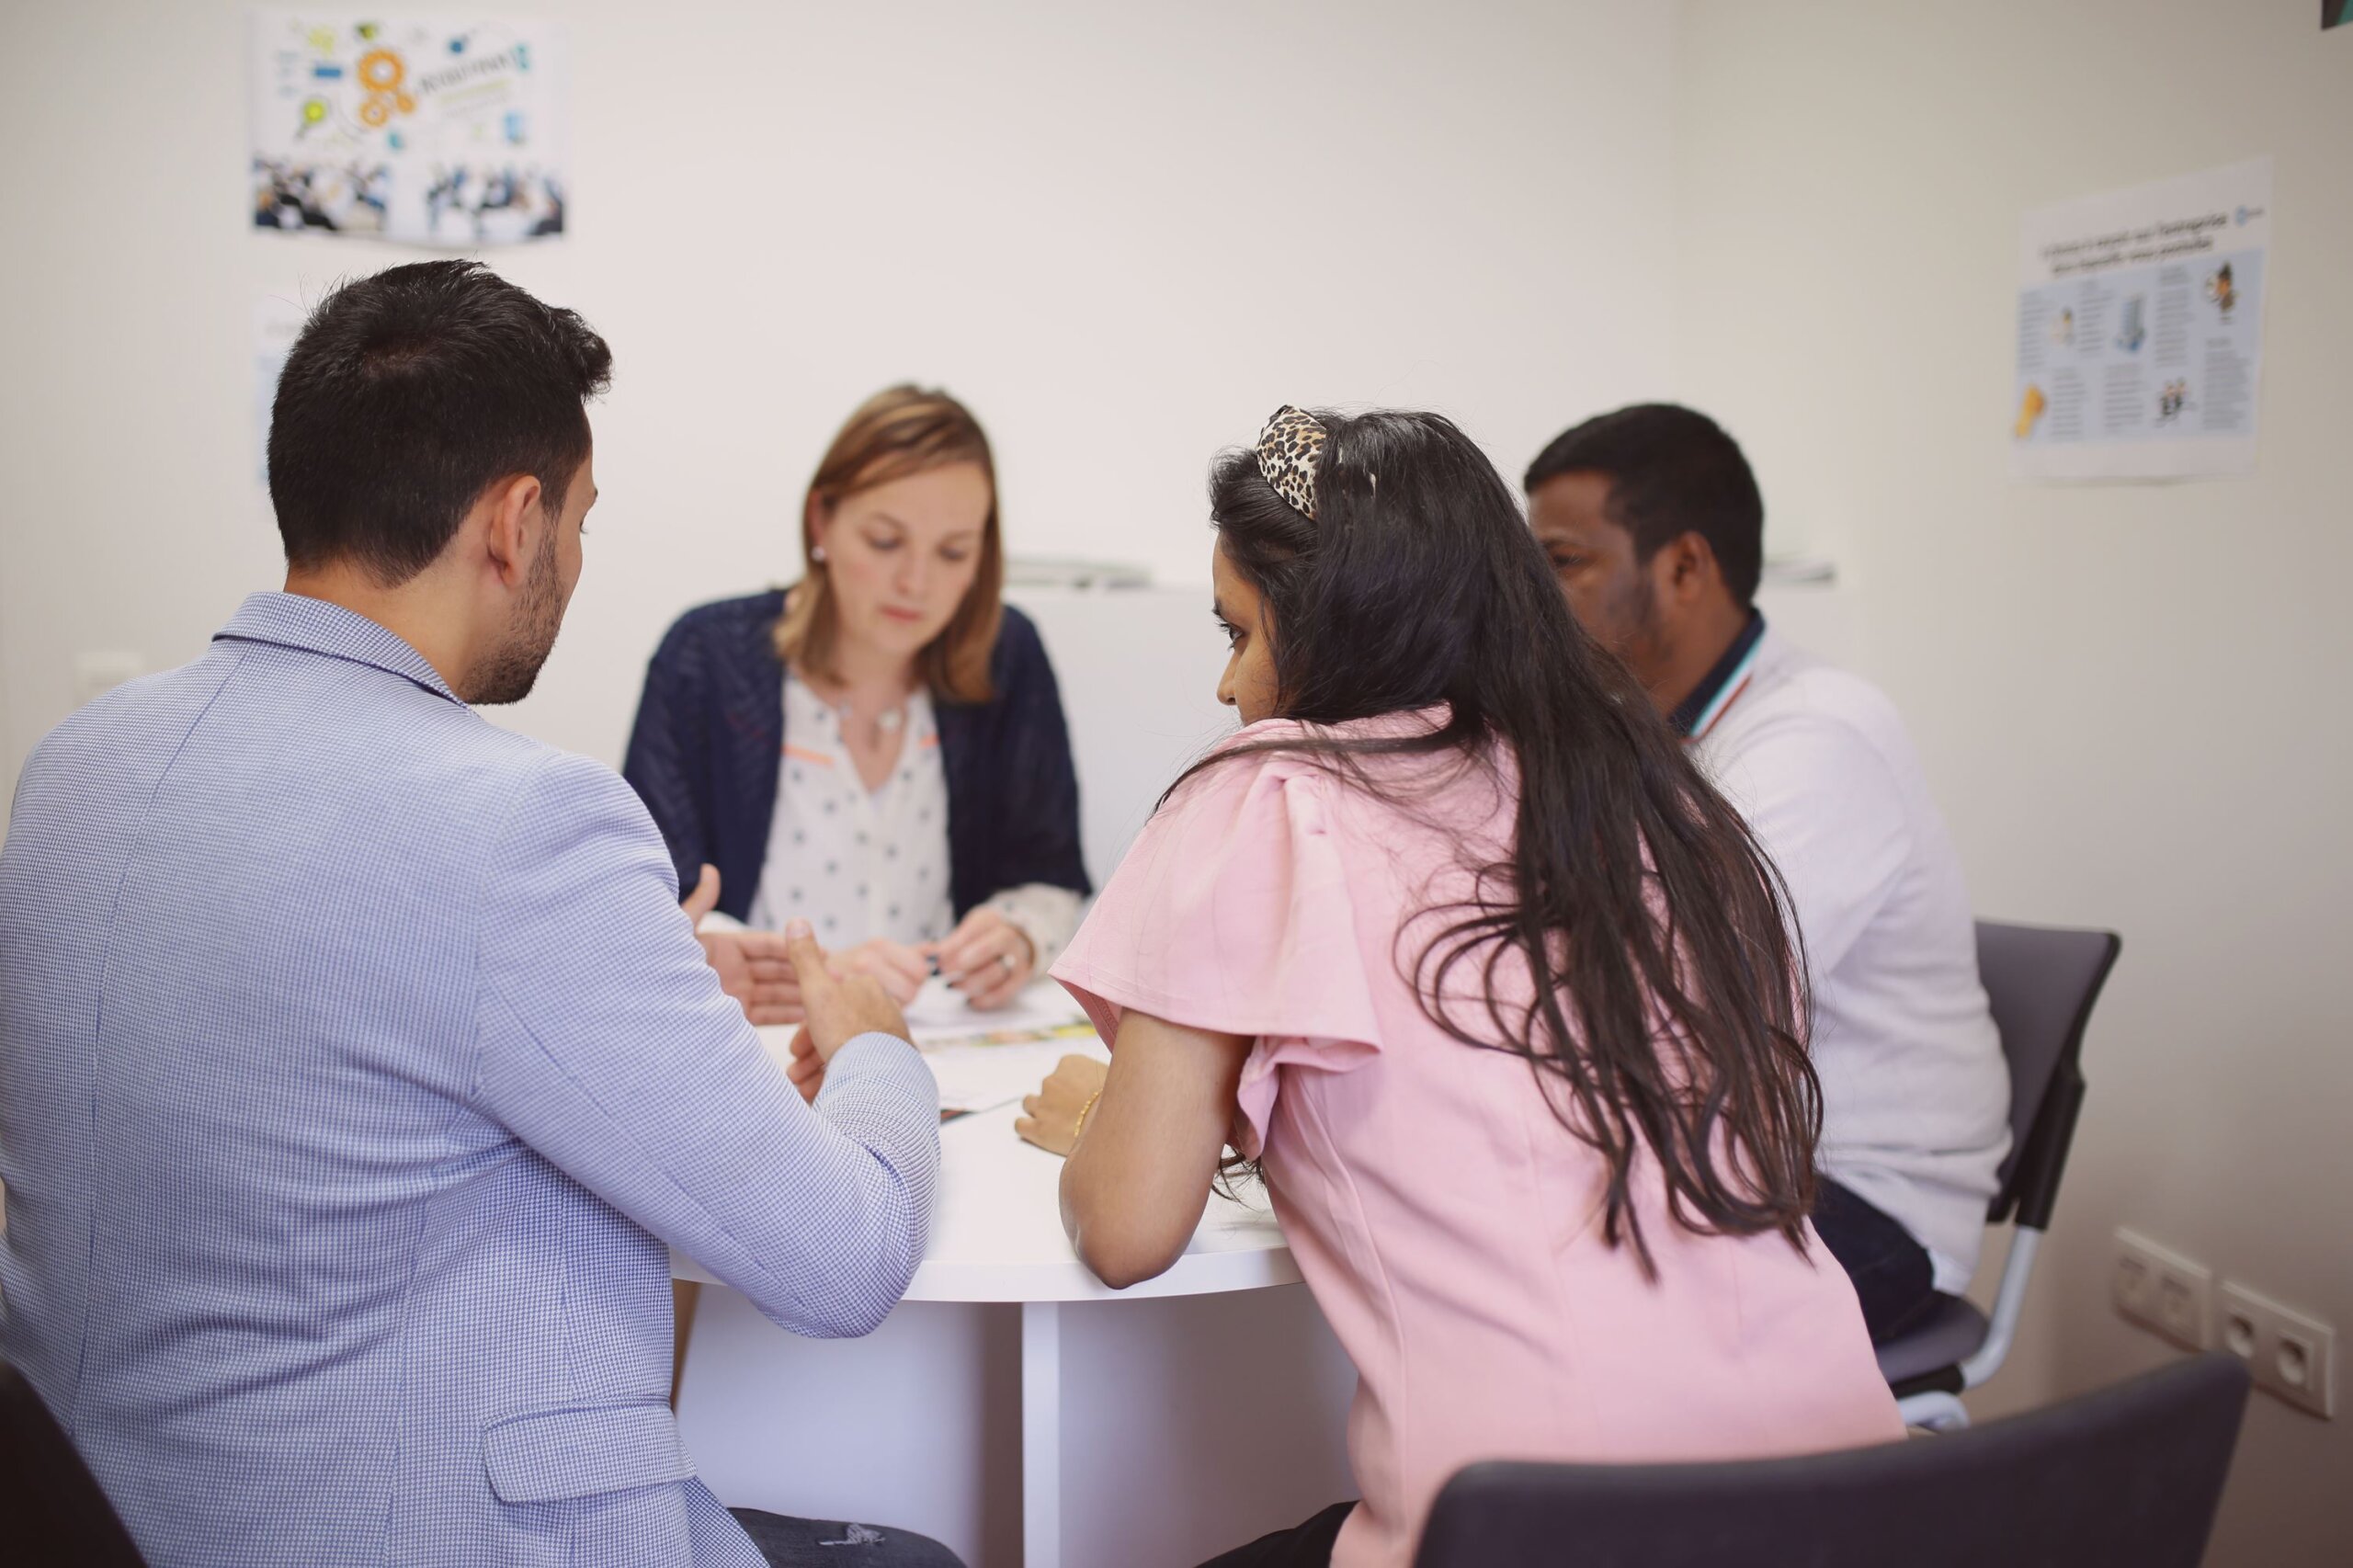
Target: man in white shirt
{"x": 1653, "y": 522}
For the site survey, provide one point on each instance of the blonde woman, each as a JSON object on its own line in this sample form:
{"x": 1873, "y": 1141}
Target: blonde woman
{"x": 879, "y": 749}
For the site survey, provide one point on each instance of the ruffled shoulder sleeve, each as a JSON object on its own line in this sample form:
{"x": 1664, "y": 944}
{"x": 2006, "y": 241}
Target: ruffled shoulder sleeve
{"x": 1231, "y": 913}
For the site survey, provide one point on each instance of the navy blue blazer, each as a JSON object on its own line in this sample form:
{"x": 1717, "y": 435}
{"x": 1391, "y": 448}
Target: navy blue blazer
{"x": 710, "y": 731}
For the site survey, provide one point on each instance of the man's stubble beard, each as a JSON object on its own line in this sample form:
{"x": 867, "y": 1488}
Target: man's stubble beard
{"x": 509, "y": 672}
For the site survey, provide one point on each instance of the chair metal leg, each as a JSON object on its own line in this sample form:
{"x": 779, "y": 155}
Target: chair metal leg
{"x": 2009, "y": 1304}
{"x": 1934, "y": 1411}
{"x": 1938, "y": 1412}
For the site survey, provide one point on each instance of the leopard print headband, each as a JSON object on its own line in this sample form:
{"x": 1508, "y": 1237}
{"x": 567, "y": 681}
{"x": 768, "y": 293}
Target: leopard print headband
{"x": 1288, "y": 448}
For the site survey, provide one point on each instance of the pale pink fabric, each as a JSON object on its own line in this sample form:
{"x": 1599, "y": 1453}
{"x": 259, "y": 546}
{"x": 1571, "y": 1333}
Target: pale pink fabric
{"x": 1448, "y": 1225}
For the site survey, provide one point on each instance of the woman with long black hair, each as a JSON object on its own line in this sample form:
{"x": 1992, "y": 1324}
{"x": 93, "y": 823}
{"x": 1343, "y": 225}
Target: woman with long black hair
{"x": 1453, "y": 939}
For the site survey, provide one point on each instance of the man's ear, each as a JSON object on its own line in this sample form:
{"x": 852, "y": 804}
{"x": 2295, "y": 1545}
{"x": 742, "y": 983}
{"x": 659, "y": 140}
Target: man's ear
{"x": 515, "y": 527}
{"x": 1689, "y": 567}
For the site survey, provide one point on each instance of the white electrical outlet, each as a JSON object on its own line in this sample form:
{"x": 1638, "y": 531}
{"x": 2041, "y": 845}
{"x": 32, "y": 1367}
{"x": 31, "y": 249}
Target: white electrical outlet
{"x": 2293, "y": 1357}
{"x": 2136, "y": 1286}
{"x": 2161, "y": 1290}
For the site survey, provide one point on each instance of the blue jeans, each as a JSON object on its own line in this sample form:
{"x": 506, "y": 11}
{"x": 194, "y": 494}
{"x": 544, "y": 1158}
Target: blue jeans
{"x": 1893, "y": 1277}
{"x": 787, "y": 1543}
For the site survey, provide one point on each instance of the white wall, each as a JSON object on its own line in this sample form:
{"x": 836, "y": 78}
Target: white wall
{"x": 1123, "y": 234}
{"x": 2127, "y": 697}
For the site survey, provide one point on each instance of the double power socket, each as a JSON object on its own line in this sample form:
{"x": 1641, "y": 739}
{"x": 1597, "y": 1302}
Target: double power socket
{"x": 2293, "y": 1357}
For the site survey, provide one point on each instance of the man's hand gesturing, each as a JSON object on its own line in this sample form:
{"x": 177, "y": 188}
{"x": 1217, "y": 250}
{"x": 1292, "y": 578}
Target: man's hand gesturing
{"x": 839, "y": 1010}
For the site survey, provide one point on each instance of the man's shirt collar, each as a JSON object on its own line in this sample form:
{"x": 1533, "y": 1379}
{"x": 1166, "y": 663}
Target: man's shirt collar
{"x": 297, "y": 620}
{"x": 1721, "y": 686}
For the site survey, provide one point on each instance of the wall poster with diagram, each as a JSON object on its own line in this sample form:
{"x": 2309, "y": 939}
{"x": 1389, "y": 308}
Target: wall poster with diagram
{"x": 443, "y": 131}
{"x": 2139, "y": 330}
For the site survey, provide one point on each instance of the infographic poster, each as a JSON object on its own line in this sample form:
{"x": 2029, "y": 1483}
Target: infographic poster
{"x": 2139, "y": 330}
{"x": 431, "y": 131}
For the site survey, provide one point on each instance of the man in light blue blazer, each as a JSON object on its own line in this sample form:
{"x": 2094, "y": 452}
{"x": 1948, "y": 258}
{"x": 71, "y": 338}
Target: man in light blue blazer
{"x": 358, "y": 1065}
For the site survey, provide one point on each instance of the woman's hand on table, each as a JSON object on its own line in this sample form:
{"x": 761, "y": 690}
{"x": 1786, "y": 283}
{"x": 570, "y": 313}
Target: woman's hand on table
{"x": 900, "y": 971}
{"x": 752, "y": 966}
{"x": 840, "y": 1009}
{"x": 987, "y": 958}
{"x": 1051, "y": 1118}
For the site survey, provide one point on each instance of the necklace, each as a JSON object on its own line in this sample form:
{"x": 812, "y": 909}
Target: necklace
{"x": 887, "y": 722}
{"x": 883, "y": 726}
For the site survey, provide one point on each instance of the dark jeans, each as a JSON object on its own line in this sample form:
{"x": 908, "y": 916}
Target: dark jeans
{"x": 789, "y": 1542}
{"x": 1302, "y": 1546}
{"x": 1893, "y": 1277}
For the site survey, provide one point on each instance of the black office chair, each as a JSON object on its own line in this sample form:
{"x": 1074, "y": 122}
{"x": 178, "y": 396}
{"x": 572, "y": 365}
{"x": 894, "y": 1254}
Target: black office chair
{"x": 52, "y": 1512}
{"x": 2128, "y": 1474}
{"x": 2041, "y": 983}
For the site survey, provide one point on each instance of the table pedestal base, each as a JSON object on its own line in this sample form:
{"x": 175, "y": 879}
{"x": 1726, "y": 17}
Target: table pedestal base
{"x": 1150, "y": 1433}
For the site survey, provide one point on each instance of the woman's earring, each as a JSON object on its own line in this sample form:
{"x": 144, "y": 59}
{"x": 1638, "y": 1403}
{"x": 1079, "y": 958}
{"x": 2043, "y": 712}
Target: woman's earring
{"x": 817, "y": 553}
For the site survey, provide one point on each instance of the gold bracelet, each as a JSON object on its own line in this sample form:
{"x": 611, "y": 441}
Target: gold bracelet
{"x": 1080, "y": 1125}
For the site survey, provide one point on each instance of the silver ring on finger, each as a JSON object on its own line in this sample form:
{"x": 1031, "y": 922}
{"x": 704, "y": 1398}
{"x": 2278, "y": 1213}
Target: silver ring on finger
{"x": 1007, "y": 959}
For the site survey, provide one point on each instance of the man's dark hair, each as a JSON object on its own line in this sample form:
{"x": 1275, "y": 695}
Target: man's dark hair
{"x": 1672, "y": 472}
{"x": 410, "y": 392}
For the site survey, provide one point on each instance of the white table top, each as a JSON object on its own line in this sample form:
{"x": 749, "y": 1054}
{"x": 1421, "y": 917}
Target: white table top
{"x": 997, "y": 1233}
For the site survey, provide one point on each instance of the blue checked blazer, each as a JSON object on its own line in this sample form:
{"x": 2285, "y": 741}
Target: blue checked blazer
{"x": 356, "y": 1066}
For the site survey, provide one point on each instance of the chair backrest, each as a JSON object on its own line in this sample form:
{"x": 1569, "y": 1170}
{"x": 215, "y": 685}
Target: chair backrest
{"x": 2041, "y": 983}
{"x": 52, "y": 1507}
{"x": 2128, "y": 1474}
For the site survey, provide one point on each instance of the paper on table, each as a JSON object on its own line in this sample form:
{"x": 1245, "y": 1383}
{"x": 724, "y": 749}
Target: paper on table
{"x": 985, "y": 1059}
{"x": 980, "y": 1059}
{"x": 983, "y": 1078}
{"x": 942, "y": 1012}
{"x": 972, "y": 1076}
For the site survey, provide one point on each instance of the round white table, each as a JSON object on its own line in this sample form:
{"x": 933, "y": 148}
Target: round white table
{"x": 1020, "y": 1410}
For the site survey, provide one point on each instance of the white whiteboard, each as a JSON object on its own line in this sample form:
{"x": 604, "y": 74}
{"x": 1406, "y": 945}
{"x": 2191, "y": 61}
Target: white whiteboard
{"x": 1139, "y": 669}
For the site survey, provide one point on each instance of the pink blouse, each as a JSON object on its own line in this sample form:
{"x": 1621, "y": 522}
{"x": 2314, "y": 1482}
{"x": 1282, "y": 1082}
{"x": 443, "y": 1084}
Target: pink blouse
{"x": 1448, "y": 1225}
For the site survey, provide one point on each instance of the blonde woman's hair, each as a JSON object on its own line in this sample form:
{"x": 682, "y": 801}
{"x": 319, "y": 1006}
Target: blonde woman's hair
{"x": 896, "y": 434}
